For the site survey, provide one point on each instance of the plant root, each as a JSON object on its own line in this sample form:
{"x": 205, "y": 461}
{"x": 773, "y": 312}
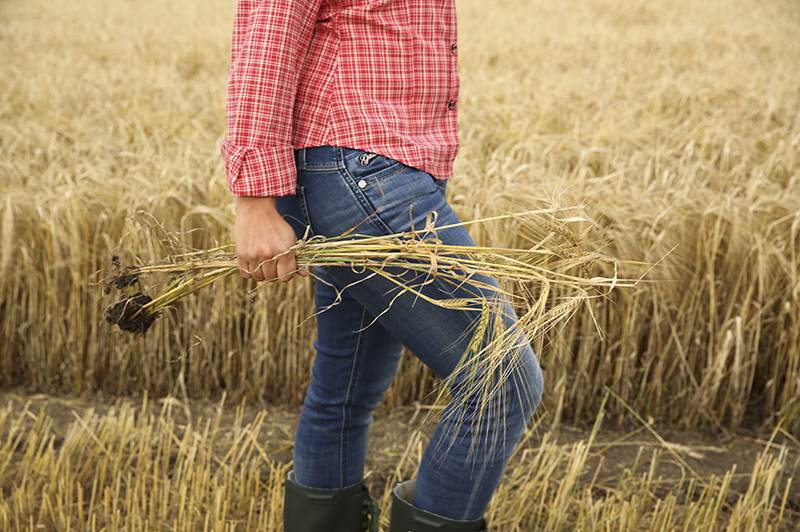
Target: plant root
{"x": 125, "y": 314}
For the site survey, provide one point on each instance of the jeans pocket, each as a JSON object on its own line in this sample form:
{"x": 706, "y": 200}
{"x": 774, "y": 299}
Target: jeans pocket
{"x": 367, "y": 169}
{"x": 294, "y": 210}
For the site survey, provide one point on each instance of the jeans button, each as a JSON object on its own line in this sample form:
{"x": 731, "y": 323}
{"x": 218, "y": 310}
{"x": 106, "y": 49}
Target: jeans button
{"x": 362, "y": 184}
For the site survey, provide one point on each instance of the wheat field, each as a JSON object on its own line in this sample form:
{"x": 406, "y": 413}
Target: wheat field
{"x": 673, "y": 126}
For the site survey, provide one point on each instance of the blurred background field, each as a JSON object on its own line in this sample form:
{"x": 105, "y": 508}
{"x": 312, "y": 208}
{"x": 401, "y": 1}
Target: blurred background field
{"x": 675, "y": 126}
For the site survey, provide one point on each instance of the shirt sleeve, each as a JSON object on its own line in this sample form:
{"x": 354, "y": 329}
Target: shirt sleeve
{"x": 270, "y": 42}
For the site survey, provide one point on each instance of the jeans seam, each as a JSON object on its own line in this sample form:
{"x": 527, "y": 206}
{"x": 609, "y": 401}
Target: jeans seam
{"x": 349, "y": 400}
{"x": 476, "y": 487}
{"x": 304, "y": 210}
{"x": 384, "y": 178}
{"x": 320, "y": 168}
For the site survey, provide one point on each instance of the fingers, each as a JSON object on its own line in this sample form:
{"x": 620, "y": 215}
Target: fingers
{"x": 264, "y": 241}
{"x": 286, "y": 267}
{"x": 244, "y": 268}
{"x": 258, "y": 271}
{"x": 282, "y": 267}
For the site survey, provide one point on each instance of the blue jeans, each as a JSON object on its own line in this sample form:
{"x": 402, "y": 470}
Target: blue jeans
{"x": 358, "y": 355}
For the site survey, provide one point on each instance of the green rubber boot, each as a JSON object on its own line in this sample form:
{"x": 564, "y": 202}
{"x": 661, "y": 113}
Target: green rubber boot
{"x": 318, "y": 510}
{"x": 408, "y": 518}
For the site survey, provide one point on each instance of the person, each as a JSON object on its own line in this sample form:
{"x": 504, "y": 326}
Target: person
{"x": 342, "y": 117}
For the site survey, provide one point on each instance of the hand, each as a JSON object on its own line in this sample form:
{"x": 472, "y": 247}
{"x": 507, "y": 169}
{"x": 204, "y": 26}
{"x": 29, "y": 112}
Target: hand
{"x": 261, "y": 234}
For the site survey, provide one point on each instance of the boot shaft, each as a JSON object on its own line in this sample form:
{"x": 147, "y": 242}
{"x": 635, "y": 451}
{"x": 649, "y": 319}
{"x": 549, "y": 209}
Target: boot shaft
{"x": 408, "y": 518}
{"x": 319, "y": 510}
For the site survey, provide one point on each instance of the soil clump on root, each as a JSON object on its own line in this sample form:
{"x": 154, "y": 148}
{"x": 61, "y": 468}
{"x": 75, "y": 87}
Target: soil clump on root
{"x": 125, "y": 314}
{"x": 120, "y": 280}
{"x": 124, "y": 281}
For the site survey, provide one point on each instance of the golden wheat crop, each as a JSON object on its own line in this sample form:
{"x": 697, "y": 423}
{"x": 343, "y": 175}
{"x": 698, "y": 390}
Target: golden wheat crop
{"x": 674, "y": 125}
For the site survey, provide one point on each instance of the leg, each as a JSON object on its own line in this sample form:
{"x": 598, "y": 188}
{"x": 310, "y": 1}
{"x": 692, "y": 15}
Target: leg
{"x": 479, "y": 431}
{"x": 354, "y": 365}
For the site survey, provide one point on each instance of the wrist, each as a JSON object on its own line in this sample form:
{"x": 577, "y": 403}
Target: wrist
{"x": 265, "y": 204}
{"x": 255, "y": 200}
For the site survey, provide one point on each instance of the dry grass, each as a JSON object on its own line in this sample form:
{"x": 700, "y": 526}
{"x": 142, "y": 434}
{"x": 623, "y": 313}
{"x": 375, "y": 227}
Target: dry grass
{"x": 131, "y": 470}
{"x": 674, "y": 125}
{"x": 138, "y": 469}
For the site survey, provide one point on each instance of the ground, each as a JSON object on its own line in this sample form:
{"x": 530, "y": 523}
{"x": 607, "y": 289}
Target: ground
{"x": 614, "y": 450}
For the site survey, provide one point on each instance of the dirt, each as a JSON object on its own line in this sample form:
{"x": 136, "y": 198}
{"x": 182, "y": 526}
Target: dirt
{"x": 128, "y": 314}
{"x": 117, "y": 278}
{"x": 123, "y": 281}
{"x": 706, "y": 452}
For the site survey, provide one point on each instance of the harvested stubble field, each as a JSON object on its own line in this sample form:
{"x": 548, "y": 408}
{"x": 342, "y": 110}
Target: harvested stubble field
{"x": 675, "y": 126}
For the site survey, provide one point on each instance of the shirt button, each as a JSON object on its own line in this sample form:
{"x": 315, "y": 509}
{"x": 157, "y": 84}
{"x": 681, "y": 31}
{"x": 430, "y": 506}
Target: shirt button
{"x": 362, "y": 184}
{"x": 453, "y": 48}
{"x": 452, "y": 104}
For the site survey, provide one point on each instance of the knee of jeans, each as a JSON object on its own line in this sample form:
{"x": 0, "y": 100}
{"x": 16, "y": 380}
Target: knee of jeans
{"x": 523, "y": 388}
{"x": 333, "y": 407}
{"x": 514, "y": 397}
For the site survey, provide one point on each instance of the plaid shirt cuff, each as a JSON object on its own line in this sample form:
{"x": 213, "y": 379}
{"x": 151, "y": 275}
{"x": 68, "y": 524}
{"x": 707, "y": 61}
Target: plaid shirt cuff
{"x": 264, "y": 171}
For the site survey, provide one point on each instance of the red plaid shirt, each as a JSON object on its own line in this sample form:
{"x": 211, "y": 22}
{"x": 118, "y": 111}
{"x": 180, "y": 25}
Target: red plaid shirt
{"x": 375, "y": 75}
